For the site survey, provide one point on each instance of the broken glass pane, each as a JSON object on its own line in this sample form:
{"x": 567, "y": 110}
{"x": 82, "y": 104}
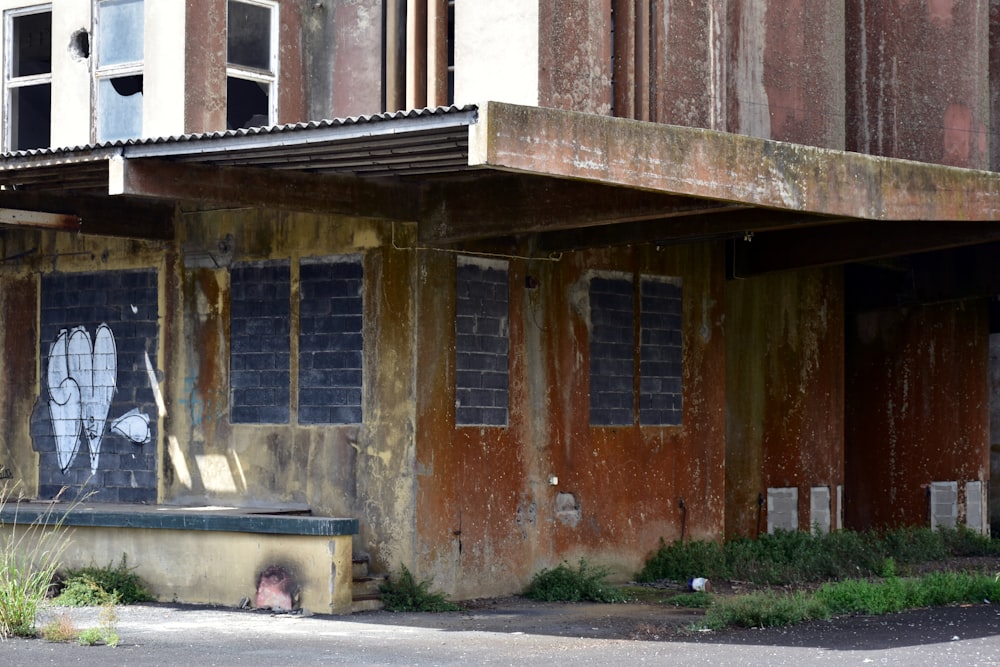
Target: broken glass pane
{"x": 119, "y": 111}
{"x": 249, "y": 35}
{"x": 32, "y": 44}
{"x": 247, "y": 103}
{"x": 119, "y": 32}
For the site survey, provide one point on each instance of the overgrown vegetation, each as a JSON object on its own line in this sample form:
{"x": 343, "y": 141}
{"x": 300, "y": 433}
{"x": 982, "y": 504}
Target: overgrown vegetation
{"x": 29, "y": 557}
{"x": 405, "y": 593}
{"x": 106, "y": 632}
{"x": 798, "y": 557}
{"x": 96, "y": 586}
{"x": 893, "y": 594}
{"x": 566, "y": 584}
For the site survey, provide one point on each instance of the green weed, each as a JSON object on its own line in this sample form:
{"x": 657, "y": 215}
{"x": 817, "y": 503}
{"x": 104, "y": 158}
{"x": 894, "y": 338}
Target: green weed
{"x": 763, "y": 610}
{"x": 698, "y": 600}
{"x": 800, "y": 557}
{"x": 851, "y": 596}
{"x": 566, "y": 584}
{"x": 93, "y": 586}
{"x": 407, "y": 594}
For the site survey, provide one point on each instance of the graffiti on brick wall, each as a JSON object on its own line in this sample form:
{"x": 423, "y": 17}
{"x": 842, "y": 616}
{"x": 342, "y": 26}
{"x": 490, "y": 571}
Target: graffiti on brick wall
{"x": 81, "y": 382}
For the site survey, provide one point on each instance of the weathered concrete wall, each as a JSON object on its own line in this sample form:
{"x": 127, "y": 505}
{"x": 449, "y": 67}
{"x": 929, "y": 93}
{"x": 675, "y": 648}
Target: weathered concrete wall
{"x": 341, "y": 52}
{"x": 786, "y": 71}
{"x": 919, "y": 82}
{"x": 489, "y": 513}
{"x": 994, "y": 392}
{"x": 574, "y": 42}
{"x": 335, "y": 469}
{"x": 785, "y": 392}
{"x": 918, "y": 409}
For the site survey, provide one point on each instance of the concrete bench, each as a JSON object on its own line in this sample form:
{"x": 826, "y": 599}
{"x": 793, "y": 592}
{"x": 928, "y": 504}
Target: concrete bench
{"x": 209, "y": 555}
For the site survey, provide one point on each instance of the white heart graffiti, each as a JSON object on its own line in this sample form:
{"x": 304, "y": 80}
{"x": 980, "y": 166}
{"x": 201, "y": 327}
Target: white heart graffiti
{"x": 82, "y": 376}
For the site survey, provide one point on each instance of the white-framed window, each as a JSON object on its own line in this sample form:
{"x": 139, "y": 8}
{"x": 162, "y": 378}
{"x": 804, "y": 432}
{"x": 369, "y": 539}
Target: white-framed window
{"x": 27, "y": 77}
{"x": 118, "y": 76}
{"x": 251, "y": 63}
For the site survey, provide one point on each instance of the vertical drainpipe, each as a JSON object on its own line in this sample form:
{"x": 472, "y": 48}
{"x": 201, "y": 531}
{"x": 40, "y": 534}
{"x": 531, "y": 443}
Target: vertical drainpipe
{"x": 416, "y": 54}
{"x": 395, "y": 55}
{"x": 437, "y": 52}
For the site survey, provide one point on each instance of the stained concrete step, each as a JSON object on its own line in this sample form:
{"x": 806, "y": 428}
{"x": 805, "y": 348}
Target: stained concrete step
{"x": 365, "y": 586}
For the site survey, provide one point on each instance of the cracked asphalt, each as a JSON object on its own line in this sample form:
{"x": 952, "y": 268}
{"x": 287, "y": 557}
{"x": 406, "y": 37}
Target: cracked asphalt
{"x": 515, "y": 632}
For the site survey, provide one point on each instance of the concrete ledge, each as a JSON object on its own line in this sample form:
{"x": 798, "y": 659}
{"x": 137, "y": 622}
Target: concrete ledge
{"x": 163, "y": 517}
{"x": 205, "y": 555}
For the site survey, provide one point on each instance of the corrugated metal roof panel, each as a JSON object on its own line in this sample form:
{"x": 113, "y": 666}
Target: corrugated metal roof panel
{"x": 433, "y": 140}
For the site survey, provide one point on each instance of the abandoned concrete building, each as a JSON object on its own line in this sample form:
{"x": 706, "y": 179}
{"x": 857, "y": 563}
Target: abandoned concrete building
{"x": 478, "y": 287}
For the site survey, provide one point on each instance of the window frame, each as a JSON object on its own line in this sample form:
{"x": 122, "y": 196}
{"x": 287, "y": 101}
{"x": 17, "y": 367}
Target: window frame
{"x": 245, "y": 73}
{"x": 11, "y": 82}
{"x": 111, "y": 72}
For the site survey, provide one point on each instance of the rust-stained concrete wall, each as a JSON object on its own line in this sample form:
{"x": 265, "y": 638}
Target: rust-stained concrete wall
{"x": 487, "y": 516}
{"x": 785, "y": 392}
{"x": 918, "y": 409}
{"x": 786, "y": 71}
{"x": 330, "y": 57}
{"x": 919, "y": 83}
{"x": 574, "y": 46}
{"x": 362, "y": 471}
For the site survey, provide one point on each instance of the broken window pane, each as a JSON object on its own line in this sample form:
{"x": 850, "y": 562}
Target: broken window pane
{"x": 30, "y": 117}
{"x": 120, "y": 32}
{"x": 248, "y": 103}
{"x": 119, "y": 101}
{"x": 32, "y": 44}
{"x": 249, "y": 35}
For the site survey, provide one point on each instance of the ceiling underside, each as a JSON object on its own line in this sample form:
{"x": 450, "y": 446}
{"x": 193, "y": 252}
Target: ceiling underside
{"x": 505, "y": 178}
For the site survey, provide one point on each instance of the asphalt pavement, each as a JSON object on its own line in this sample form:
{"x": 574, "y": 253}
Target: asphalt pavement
{"x": 514, "y": 632}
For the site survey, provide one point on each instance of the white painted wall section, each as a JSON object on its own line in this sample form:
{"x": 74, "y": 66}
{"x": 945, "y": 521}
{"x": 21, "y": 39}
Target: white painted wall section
{"x": 71, "y": 78}
{"x": 163, "y": 87}
{"x": 496, "y": 51}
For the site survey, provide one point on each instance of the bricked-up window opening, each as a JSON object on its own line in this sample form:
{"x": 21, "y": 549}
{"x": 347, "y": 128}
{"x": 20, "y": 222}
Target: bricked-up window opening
{"x": 331, "y": 342}
{"x": 252, "y": 64}
{"x": 614, "y": 340}
{"x": 612, "y": 351}
{"x": 96, "y": 428}
{"x": 118, "y": 75}
{"x": 482, "y": 343}
{"x": 260, "y": 343}
{"x": 660, "y": 352}
{"x": 28, "y": 78}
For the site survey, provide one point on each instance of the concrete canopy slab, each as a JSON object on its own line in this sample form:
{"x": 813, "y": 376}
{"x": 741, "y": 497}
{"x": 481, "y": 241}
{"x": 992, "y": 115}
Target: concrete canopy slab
{"x": 727, "y": 167}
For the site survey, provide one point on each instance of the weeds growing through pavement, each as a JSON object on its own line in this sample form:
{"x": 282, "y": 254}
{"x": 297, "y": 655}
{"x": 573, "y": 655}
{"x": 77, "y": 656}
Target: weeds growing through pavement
{"x": 863, "y": 596}
{"x": 800, "y": 557}
{"x": 60, "y": 629}
{"x": 29, "y": 557}
{"x": 566, "y": 584}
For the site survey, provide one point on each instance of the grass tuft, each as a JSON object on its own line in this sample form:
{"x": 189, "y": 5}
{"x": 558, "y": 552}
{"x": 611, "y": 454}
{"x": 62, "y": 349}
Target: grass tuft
{"x": 566, "y": 584}
{"x": 407, "y": 594}
{"x": 29, "y": 557}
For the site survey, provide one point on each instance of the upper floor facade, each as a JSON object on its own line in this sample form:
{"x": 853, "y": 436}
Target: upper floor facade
{"x": 879, "y": 78}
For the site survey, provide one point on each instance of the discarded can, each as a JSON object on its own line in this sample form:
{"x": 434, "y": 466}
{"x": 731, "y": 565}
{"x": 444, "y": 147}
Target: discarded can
{"x": 700, "y": 584}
